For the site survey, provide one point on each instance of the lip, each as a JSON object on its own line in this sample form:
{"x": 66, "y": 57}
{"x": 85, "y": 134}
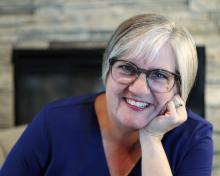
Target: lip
{"x": 136, "y": 108}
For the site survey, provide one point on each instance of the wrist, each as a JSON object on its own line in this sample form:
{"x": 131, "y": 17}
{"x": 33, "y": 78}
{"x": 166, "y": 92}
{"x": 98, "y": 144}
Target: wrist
{"x": 147, "y": 136}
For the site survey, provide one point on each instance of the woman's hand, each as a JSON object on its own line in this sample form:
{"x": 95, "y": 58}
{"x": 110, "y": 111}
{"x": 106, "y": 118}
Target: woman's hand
{"x": 173, "y": 115}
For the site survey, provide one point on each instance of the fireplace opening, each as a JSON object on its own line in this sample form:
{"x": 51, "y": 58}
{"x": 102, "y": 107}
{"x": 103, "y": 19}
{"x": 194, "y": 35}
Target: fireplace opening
{"x": 44, "y": 75}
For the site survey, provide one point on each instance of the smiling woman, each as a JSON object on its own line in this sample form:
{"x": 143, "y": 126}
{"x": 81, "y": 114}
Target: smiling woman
{"x": 149, "y": 67}
{"x": 143, "y": 89}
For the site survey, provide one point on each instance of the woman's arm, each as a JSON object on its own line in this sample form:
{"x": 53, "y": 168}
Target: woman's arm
{"x": 154, "y": 159}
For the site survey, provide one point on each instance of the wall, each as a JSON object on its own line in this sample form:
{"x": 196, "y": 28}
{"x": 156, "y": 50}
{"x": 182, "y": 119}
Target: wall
{"x": 38, "y": 23}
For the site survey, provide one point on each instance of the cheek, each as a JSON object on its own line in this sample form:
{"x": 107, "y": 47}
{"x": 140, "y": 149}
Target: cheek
{"x": 114, "y": 88}
{"x": 113, "y": 92}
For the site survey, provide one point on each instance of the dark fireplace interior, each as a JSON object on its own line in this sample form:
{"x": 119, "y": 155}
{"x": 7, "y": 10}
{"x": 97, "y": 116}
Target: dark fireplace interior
{"x": 45, "y": 75}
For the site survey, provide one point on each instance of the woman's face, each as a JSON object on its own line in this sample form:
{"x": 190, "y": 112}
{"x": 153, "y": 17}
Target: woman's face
{"x": 133, "y": 106}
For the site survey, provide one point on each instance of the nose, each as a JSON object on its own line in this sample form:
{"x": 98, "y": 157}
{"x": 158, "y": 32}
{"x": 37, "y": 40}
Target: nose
{"x": 140, "y": 85}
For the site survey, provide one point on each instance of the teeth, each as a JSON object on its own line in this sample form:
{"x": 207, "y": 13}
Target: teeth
{"x": 135, "y": 103}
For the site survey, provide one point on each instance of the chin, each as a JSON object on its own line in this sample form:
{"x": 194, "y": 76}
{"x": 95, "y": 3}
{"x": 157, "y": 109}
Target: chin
{"x": 134, "y": 125}
{"x": 140, "y": 126}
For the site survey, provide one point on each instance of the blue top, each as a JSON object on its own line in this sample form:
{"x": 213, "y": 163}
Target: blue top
{"x": 64, "y": 139}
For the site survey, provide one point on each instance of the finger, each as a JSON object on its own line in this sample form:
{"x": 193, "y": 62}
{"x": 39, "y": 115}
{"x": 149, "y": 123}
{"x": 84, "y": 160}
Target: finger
{"x": 174, "y": 107}
{"x": 171, "y": 110}
{"x": 180, "y": 108}
{"x": 178, "y": 101}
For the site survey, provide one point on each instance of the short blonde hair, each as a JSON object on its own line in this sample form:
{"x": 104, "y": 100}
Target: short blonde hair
{"x": 144, "y": 35}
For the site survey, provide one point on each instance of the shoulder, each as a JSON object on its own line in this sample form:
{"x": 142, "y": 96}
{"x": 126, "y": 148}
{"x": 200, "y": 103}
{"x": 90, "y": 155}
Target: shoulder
{"x": 195, "y": 128}
{"x": 70, "y": 106}
{"x": 190, "y": 143}
{"x": 71, "y": 102}
{"x": 192, "y": 132}
{"x": 195, "y": 124}
{"x": 67, "y": 114}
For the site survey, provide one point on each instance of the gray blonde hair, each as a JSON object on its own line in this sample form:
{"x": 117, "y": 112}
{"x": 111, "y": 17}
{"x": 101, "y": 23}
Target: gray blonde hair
{"x": 143, "y": 36}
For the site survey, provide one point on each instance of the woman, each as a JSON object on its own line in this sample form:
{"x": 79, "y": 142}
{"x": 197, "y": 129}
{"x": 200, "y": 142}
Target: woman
{"x": 138, "y": 126}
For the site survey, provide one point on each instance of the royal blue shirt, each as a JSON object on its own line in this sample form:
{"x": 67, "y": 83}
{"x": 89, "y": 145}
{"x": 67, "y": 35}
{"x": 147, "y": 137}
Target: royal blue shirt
{"x": 64, "y": 139}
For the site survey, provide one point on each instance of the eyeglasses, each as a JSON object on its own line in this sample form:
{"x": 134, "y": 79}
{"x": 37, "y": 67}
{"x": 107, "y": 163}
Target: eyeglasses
{"x": 158, "y": 80}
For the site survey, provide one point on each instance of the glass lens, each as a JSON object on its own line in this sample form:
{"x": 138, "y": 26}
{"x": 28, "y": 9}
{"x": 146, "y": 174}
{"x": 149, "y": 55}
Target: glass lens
{"x": 124, "y": 72}
{"x": 160, "y": 80}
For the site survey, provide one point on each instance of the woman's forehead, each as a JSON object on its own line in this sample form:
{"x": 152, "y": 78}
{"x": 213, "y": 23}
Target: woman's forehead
{"x": 164, "y": 58}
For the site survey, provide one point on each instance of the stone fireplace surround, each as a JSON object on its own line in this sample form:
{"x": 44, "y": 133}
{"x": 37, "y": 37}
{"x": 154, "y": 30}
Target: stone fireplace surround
{"x": 37, "y": 24}
{"x": 42, "y": 24}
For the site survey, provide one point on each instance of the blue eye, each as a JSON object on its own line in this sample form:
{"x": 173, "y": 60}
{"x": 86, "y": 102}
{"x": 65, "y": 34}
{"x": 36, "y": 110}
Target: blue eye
{"x": 127, "y": 69}
{"x": 158, "y": 75}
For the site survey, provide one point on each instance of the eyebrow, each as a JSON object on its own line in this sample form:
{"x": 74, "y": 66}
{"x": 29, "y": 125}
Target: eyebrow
{"x": 150, "y": 69}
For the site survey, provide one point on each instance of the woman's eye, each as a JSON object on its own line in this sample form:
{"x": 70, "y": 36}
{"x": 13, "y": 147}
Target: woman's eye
{"x": 127, "y": 69}
{"x": 158, "y": 75}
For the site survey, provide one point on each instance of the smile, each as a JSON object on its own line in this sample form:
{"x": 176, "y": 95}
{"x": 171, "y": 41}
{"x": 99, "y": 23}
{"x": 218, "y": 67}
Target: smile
{"x": 138, "y": 104}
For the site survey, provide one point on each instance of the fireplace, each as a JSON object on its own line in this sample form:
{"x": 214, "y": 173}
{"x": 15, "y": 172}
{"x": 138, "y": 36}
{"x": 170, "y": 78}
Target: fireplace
{"x": 45, "y": 75}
